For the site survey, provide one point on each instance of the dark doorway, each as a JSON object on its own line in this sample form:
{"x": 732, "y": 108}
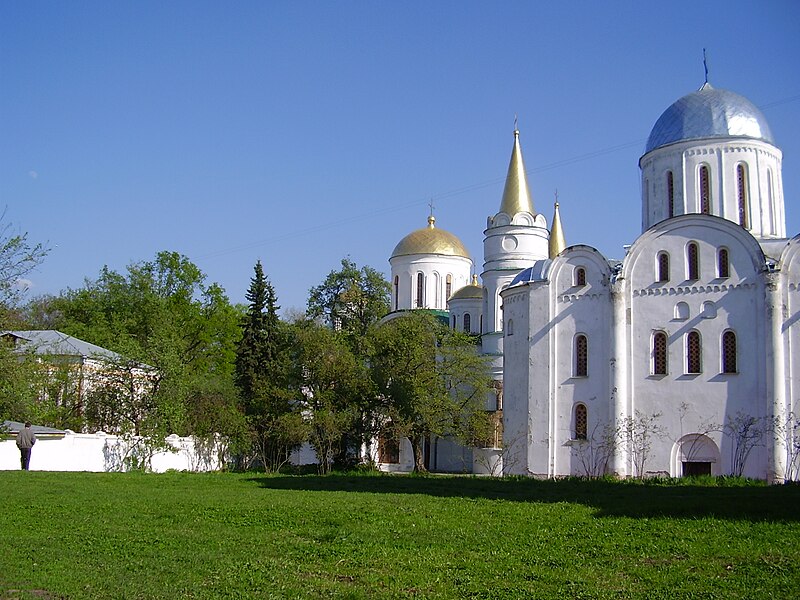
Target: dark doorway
{"x": 692, "y": 469}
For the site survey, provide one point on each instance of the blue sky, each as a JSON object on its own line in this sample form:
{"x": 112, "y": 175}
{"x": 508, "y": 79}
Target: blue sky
{"x": 299, "y": 133}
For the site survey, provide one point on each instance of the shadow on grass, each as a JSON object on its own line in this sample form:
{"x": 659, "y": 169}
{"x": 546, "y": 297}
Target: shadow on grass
{"x": 609, "y": 498}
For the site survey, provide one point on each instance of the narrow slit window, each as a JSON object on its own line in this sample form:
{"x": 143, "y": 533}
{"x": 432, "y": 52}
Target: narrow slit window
{"x": 729, "y": 352}
{"x": 705, "y": 191}
{"x": 448, "y": 286}
{"x": 467, "y": 323}
{"x": 670, "y": 194}
{"x": 581, "y": 356}
{"x": 659, "y": 353}
{"x": 723, "y": 264}
{"x": 693, "y": 353}
{"x": 663, "y": 267}
{"x": 420, "y": 289}
{"x": 581, "y": 422}
{"x": 396, "y": 292}
{"x": 692, "y": 261}
{"x": 741, "y": 189}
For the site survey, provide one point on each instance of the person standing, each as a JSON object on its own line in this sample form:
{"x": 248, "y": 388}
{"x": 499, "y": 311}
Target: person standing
{"x": 25, "y": 441}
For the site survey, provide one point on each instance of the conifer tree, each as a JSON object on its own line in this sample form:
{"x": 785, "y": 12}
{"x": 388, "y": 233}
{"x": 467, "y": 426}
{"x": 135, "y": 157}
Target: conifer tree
{"x": 261, "y": 375}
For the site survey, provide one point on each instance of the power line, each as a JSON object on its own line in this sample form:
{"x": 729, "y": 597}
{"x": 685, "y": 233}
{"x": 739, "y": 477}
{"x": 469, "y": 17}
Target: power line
{"x": 444, "y": 195}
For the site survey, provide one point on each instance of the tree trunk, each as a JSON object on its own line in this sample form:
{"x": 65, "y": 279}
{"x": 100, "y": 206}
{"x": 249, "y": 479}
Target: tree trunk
{"x": 418, "y": 445}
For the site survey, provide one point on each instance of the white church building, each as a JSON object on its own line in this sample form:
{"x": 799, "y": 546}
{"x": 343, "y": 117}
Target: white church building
{"x": 679, "y": 359}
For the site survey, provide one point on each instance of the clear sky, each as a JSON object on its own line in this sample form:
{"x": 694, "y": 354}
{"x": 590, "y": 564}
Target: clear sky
{"x": 299, "y": 133}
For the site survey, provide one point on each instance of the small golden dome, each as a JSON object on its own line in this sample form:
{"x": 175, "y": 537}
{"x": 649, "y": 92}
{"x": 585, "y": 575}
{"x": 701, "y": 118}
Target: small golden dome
{"x": 430, "y": 240}
{"x": 469, "y": 292}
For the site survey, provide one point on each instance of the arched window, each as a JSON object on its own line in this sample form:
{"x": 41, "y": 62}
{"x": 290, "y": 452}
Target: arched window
{"x": 659, "y": 353}
{"x": 705, "y": 191}
{"x": 437, "y": 292}
{"x": 662, "y": 274}
{"x": 453, "y": 322}
{"x": 467, "y": 323}
{"x": 729, "y": 352}
{"x": 723, "y": 268}
{"x": 448, "y": 286}
{"x": 741, "y": 195}
{"x": 581, "y": 356}
{"x": 580, "y": 276}
{"x": 510, "y": 327}
{"x": 396, "y": 291}
{"x": 772, "y": 211}
{"x": 693, "y": 353}
{"x": 581, "y": 422}
{"x": 420, "y": 289}
{"x": 692, "y": 262}
{"x": 670, "y": 194}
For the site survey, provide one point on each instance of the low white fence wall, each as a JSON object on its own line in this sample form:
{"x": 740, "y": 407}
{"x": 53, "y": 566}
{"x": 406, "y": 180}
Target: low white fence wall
{"x": 100, "y": 452}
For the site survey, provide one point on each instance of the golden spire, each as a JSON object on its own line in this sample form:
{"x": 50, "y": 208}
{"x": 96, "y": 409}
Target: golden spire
{"x": 557, "y": 241}
{"x": 516, "y": 195}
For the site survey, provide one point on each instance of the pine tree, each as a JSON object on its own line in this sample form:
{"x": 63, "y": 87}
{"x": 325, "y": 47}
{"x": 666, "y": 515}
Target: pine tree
{"x": 261, "y": 375}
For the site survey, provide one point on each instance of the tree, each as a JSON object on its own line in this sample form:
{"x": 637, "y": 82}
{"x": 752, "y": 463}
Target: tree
{"x": 18, "y": 257}
{"x": 18, "y": 385}
{"x": 163, "y": 321}
{"x": 261, "y": 375}
{"x": 636, "y": 434}
{"x": 432, "y": 381}
{"x": 350, "y": 300}
{"x": 332, "y": 385}
{"x": 596, "y": 451}
{"x": 745, "y": 433}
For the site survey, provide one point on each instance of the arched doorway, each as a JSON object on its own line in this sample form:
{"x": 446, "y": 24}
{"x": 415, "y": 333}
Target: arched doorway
{"x": 695, "y": 454}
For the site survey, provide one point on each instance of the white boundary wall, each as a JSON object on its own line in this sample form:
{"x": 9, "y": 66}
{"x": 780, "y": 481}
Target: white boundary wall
{"x": 100, "y": 452}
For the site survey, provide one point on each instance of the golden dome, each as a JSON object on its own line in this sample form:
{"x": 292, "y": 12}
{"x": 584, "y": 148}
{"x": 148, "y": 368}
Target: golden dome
{"x": 469, "y": 292}
{"x": 430, "y": 240}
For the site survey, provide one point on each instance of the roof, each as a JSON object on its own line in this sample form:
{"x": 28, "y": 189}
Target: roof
{"x": 516, "y": 193}
{"x": 538, "y": 272}
{"x": 50, "y": 342}
{"x": 430, "y": 240}
{"x": 557, "y": 241}
{"x": 469, "y": 292}
{"x": 709, "y": 113}
{"x": 14, "y": 427}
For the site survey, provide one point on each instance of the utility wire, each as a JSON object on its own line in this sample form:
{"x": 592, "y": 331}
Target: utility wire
{"x": 442, "y": 195}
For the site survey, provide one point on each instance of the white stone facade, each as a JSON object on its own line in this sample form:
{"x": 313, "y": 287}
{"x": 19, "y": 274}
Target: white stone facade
{"x": 680, "y": 359}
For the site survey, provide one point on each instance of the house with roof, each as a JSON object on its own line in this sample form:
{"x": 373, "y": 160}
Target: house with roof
{"x": 78, "y": 376}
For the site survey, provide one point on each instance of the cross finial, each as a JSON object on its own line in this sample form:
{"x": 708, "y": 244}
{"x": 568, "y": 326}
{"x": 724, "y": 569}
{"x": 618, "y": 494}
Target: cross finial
{"x": 430, "y": 204}
{"x": 515, "y": 121}
{"x": 705, "y": 64}
{"x": 556, "y": 196}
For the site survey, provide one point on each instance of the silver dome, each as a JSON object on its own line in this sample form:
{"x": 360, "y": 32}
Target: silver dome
{"x": 709, "y": 113}
{"x": 538, "y": 272}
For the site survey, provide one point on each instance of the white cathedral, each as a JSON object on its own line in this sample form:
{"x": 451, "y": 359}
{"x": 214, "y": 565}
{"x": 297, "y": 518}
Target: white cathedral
{"x": 680, "y": 359}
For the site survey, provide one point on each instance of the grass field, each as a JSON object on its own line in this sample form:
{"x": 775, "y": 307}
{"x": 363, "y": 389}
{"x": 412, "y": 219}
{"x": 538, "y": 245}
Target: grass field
{"x": 180, "y": 535}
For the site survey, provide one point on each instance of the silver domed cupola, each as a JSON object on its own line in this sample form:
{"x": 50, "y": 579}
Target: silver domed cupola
{"x": 709, "y": 113}
{"x": 712, "y": 152}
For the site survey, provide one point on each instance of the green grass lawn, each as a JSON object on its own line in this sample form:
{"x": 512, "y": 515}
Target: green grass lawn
{"x": 180, "y": 535}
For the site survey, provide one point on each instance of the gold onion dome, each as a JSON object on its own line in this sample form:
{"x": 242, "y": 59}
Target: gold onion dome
{"x": 430, "y": 240}
{"x": 469, "y": 292}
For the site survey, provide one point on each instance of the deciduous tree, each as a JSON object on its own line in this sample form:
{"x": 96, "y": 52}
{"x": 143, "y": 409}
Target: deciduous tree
{"x": 433, "y": 381}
